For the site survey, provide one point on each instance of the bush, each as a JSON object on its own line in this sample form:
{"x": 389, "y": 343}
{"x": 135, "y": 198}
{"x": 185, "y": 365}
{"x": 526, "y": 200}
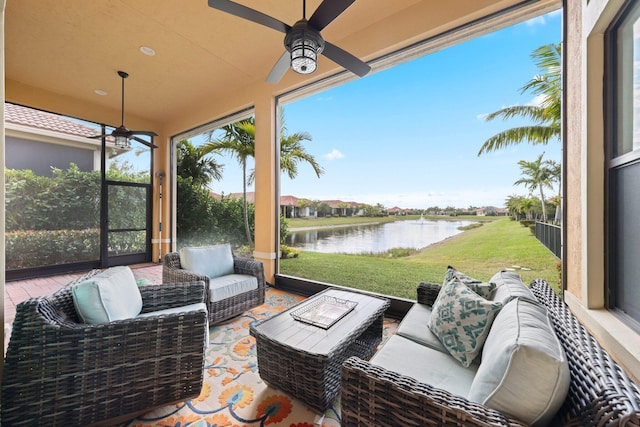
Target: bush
{"x": 34, "y": 248}
{"x": 527, "y": 222}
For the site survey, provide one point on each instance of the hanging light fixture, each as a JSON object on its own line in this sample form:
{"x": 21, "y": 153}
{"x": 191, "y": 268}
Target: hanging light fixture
{"x": 122, "y": 142}
{"x": 305, "y": 44}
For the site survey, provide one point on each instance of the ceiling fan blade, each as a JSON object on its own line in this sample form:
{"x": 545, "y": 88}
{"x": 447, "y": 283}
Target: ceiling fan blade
{"x": 327, "y": 12}
{"x": 97, "y": 136}
{"x": 344, "y": 58}
{"x": 142, "y": 132}
{"x": 142, "y": 141}
{"x": 245, "y": 12}
{"x": 281, "y": 67}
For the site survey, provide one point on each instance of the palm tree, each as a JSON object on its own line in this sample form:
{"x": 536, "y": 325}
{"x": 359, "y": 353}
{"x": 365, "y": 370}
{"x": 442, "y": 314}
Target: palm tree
{"x": 538, "y": 174}
{"x": 292, "y": 151}
{"x": 239, "y": 141}
{"x": 545, "y": 117}
{"x": 193, "y": 164}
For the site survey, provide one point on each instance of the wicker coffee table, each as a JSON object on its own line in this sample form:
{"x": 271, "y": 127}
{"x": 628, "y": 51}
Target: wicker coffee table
{"x": 304, "y": 359}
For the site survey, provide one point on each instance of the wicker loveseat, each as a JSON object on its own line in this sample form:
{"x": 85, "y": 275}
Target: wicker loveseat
{"x": 235, "y": 302}
{"x": 60, "y": 371}
{"x": 600, "y": 393}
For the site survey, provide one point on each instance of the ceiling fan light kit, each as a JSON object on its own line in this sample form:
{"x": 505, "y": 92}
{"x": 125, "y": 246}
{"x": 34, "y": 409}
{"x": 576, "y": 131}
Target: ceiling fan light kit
{"x": 305, "y": 45}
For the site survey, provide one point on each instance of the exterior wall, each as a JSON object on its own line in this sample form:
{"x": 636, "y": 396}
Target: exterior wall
{"x": 20, "y": 156}
{"x": 586, "y": 23}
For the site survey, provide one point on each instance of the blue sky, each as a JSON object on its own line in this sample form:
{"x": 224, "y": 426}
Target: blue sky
{"x": 408, "y": 136}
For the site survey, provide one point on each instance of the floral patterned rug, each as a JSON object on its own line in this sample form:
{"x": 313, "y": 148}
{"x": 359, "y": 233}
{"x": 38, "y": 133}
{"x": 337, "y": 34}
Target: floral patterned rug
{"x": 233, "y": 393}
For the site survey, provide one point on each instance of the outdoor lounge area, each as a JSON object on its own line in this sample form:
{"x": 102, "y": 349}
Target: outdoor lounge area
{"x": 245, "y": 378}
{"x": 193, "y": 67}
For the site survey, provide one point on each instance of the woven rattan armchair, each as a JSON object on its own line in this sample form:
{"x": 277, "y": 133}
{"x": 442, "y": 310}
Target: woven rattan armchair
{"x": 59, "y": 371}
{"x": 225, "y": 309}
{"x": 600, "y": 393}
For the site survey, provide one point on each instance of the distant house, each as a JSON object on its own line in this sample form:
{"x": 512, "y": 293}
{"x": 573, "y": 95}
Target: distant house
{"x": 58, "y": 141}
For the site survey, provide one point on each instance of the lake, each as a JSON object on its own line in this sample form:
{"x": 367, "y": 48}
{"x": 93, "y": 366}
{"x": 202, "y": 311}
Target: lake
{"x": 375, "y": 238}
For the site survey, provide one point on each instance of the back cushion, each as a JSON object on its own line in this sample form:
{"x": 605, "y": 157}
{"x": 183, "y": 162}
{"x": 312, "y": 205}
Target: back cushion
{"x": 524, "y": 371}
{"x": 509, "y": 287}
{"x": 108, "y": 296}
{"x": 210, "y": 261}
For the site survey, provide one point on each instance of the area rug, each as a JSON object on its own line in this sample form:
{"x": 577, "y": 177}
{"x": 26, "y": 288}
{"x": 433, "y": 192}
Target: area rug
{"x": 233, "y": 393}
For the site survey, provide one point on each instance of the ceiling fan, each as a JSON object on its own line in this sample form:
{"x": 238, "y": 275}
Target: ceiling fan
{"x": 303, "y": 41}
{"x": 121, "y": 134}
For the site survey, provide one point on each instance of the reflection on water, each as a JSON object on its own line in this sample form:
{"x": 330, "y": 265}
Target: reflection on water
{"x": 375, "y": 238}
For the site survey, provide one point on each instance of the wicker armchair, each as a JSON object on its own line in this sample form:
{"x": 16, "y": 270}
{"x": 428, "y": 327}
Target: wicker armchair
{"x": 59, "y": 371}
{"x": 220, "y": 311}
{"x": 600, "y": 393}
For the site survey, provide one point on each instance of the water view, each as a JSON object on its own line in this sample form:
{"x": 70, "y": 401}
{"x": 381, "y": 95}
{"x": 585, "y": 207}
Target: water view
{"x": 375, "y": 238}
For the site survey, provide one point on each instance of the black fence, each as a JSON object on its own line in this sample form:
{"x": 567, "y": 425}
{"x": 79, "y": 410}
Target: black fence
{"x": 551, "y": 236}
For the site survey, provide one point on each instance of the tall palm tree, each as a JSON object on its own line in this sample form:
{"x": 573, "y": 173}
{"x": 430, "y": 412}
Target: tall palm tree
{"x": 546, "y": 116}
{"x": 537, "y": 175}
{"x": 239, "y": 141}
{"x": 192, "y": 162}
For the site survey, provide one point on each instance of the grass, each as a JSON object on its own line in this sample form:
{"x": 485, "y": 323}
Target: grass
{"x": 479, "y": 252}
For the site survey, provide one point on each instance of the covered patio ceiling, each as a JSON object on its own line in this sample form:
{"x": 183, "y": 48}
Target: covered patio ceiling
{"x": 207, "y": 63}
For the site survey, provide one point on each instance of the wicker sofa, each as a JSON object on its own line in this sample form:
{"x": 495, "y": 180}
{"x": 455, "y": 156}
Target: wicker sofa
{"x": 61, "y": 371}
{"x": 221, "y": 308}
{"x": 600, "y": 393}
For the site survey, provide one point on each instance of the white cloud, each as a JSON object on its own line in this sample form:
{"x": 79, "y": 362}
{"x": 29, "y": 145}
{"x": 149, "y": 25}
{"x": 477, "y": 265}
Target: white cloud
{"x": 334, "y": 154}
{"x": 537, "y": 101}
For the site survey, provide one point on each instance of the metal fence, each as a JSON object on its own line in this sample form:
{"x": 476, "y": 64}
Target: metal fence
{"x": 551, "y": 236}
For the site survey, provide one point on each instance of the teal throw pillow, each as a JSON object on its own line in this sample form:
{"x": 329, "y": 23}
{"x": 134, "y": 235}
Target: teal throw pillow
{"x": 461, "y": 319}
{"x": 484, "y": 289}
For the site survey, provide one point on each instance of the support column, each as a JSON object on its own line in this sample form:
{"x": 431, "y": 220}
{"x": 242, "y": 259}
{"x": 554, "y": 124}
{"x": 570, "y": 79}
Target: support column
{"x": 161, "y": 230}
{"x": 267, "y": 194}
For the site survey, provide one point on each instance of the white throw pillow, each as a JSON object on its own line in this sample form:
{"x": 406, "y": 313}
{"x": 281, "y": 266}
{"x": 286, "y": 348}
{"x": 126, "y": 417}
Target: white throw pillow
{"x": 461, "y": 320}
{"x": 524, "y": 371}
{"x": 211, "y": 261}
{"x": 110, "y": 295}
{"x": 510, "y": 287}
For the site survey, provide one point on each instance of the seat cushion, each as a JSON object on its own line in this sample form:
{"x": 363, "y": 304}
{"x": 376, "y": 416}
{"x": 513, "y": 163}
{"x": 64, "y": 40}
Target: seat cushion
{"x": 414, "y": 327}
{"x": 210, "y": 261}
{"x": 425, "y": 364}
{"x": 524, "y": 371}
{"x": 182, "y": 309}
{"x": 461, "y": 320}
{"x": 223, "y": 287}
{"x": 110, "y": 295}
{"x": 509, "y": 287}
{"x": 484, "y": 289}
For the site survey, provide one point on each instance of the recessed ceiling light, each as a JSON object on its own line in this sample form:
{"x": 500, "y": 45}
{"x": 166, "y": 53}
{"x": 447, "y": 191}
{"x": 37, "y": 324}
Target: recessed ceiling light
{"x": 100, "y": 92}
{"x": 147, "y": 51}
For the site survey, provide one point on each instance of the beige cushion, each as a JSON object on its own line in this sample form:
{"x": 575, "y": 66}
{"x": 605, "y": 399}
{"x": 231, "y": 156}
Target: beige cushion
{"x": 414, "y": 327}
{"x": 524, "y": 371}
{"x": 425, "y": 364}
{"x": 210, "y": 261}
{"x": 461, "y": 320}
{"x": 110, "y": 295}
{"x": 484, "y": 289}
{"x": 509, "y": 287}
{"x": 223, "y": 287}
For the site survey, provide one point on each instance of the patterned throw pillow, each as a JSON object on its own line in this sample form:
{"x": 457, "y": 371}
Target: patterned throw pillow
{"x": 461, "y": 319}
{"x": 484, "y": 289}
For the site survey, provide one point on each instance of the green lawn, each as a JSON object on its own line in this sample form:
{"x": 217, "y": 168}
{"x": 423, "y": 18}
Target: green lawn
{"x": 480, "y": 253}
